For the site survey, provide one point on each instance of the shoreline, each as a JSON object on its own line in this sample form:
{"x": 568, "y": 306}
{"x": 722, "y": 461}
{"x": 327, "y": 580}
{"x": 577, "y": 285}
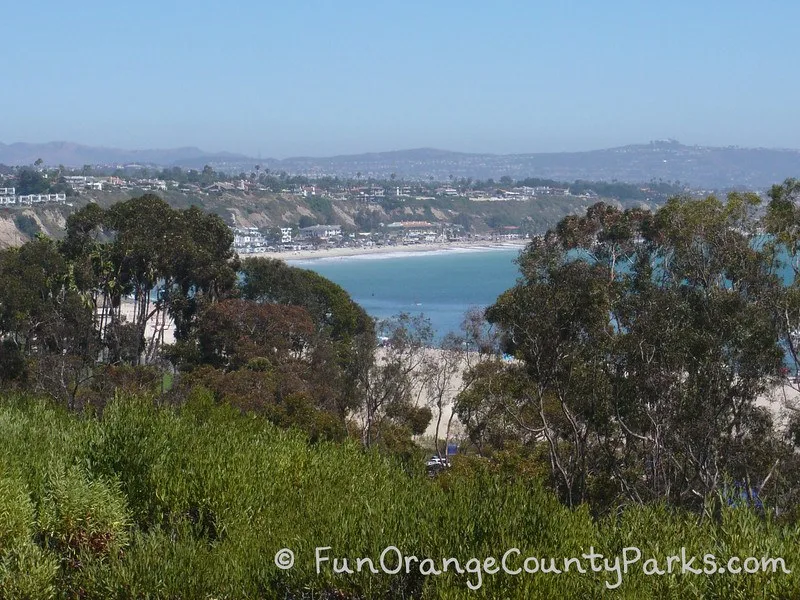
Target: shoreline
{"x": 391, "y": 251}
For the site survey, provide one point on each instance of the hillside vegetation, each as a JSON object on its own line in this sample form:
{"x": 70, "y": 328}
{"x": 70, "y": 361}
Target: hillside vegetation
{"x": 148, "y": 502}
{"x": 266, "y": 210}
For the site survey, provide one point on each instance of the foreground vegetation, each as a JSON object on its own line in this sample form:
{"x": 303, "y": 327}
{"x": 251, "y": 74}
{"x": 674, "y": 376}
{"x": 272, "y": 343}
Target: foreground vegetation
{"x": 149, "y": 502}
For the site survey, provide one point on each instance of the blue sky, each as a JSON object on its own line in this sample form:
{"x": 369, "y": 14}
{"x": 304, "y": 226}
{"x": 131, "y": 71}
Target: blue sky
{"x": 329, "y": 77}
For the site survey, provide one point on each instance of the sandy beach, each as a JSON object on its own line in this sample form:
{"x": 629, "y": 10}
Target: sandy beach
{"x": 423, "y": 395}
{"x": 476, "y": 246}
{"x": 169, "y": 327}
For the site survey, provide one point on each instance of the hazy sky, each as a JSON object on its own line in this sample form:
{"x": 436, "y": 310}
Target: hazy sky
{"x": 328, "y": 77}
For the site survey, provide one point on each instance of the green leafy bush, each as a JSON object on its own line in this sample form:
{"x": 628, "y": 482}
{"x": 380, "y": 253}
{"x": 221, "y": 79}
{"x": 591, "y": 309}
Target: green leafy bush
{"x": 148, "y": 502}
{"x": 26, "y": 570}
{"x": 80, "y": 516}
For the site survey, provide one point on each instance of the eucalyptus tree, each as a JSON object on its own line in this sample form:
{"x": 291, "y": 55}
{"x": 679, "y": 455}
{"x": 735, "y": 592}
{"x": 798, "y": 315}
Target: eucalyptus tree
{"x": 393, "y": 382}
{"x": 642, "y": 343}
{"x": 782, "y": 224}
{"x": 168, "y": 262}
{"x": 451, "y": 369}
{"x": 47, "y": 338}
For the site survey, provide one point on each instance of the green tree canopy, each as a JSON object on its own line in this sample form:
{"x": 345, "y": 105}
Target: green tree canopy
{"x": 171, "y": 262}
{"x": 335, "y": 316}
{"x": 643, "y": 342}
{"x": 31, "y": 181}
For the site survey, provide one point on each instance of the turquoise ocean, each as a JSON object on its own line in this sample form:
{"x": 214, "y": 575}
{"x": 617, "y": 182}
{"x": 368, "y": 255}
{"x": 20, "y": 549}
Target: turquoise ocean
{"x": 442, "y": 285}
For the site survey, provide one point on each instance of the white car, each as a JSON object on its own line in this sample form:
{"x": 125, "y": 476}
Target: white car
{"x": 437, "y": 461}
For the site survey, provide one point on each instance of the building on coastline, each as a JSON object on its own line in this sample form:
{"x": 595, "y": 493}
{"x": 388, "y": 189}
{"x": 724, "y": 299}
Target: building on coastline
{"x": 320, "y": 232}
{"x": 247, "y": 240}
{"x": 372, "y": 194}
{"x": 42, "y": 199}
{"x": 220, "y": 187}
{"x": 509, "y": 232}
{"x": 8, "y": 197}
{"x": 88, "y": 182}
{"x": 416, "y": 232}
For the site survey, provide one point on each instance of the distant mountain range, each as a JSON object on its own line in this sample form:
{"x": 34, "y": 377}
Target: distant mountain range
{"x": 698, "y": 166}
{"x": 77, "y": 155}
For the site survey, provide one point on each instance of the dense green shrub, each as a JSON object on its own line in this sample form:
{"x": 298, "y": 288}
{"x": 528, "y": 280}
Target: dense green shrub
{"x": 148, "y": 502}
{"x": 79, "y": 516}
{"x": 26, "y": 571}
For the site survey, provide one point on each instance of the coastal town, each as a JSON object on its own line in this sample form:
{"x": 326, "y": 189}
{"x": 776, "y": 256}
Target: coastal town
{"x": 275, "y": 212}
{"x": 209, "y": 182}
{"x": 401, "y": 235}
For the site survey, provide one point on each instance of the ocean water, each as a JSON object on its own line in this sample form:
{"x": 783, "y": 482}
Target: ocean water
{"x": 440, "y": 285}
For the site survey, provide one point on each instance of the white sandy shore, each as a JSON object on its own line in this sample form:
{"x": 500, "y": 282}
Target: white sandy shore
{"x": 392, "y": 250}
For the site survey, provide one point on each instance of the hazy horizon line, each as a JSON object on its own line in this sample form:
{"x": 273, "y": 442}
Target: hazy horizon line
{"x": 248, "y": 155}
